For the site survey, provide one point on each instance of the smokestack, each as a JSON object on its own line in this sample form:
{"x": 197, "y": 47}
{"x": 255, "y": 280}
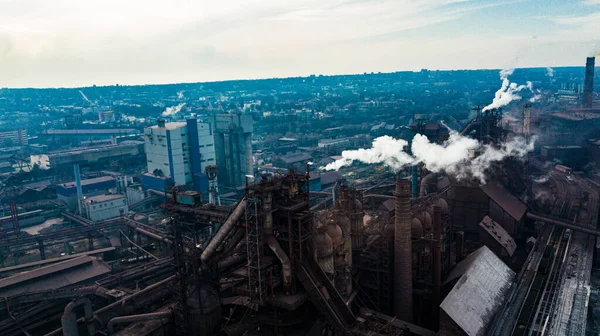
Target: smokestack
{"x": 437, "y": 263}
{"x": 403, "y": 305}
{"x": 161, "y": 122}
{"x": 588, "y": 85}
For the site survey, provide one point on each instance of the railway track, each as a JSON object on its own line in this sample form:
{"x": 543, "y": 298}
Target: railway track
{"x": 541, "y": 295}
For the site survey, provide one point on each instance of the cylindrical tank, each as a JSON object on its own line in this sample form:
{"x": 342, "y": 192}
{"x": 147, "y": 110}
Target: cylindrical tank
{"x": 425, "y": 219}
{"x": 324, "y": 247}
{"x": 335, "y": 233}
{"x": 205, "y": 315}
{"x": 443, "y": 205}
{"x": 416, "y": 228}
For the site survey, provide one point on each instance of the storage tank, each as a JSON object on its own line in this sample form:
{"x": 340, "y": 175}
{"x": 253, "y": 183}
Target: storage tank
{"x": 416, "y": 228}
{"x": 324, "y": 246}
{"x": 335, "y": 233}
{"x": 425, "y": 219}
{"x": 205, "y": 315}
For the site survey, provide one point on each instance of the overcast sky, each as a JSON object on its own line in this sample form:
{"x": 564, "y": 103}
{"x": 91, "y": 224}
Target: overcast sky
{"x": 56, "y": 43}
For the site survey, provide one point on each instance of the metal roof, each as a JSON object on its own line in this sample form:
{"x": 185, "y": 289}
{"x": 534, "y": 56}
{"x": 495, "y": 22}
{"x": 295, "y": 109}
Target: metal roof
{"x": 88, "y": 181}
{"x": 55, "y": 276}
{"x": 103, "y": 198}
{"x": 507, "y": 201}
{"x": 482, "y": 287}
{"x": 497, "y": 232}
{"x": 330, "y": 177}
{"x": 296, "y": 157}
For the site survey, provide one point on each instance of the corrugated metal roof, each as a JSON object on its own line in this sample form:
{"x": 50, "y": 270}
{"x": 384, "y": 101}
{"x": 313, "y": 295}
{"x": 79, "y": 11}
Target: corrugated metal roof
{"x": 507, "y": 201}
{"x": 479, "y": 292}
{"x": 54, "y": 276}
{"x": 497, "y": 231}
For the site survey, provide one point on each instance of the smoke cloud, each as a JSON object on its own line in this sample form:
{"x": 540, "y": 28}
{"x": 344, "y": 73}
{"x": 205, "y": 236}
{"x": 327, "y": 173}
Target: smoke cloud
{"x": 509, "y": 91}
{"x": 169, "y": 111}
{"x": 549, "y": 72}
{"x": 385, "y": 149}
{"x": 454, "y": 157}
{"x": 180, "y": 95}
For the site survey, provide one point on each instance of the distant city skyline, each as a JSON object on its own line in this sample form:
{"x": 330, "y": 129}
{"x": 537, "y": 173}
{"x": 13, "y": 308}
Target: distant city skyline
{"x": 71, "y": 43}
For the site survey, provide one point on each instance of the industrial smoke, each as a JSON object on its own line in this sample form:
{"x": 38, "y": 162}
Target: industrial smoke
{"x": 385, "y": 149}
{"x": 169, "y": 111}
{"x": 454, "y": 157}
{"x": 509, "y": 91}
{"x": 180, "y": 95}
{"x": 549, "y": 72}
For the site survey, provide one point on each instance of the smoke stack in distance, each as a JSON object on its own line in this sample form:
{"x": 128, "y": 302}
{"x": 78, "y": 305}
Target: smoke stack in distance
{"x": 588, "y": 86}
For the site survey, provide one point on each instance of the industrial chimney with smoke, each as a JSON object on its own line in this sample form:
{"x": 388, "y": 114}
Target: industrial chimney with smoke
{"x": 588, "y": 87}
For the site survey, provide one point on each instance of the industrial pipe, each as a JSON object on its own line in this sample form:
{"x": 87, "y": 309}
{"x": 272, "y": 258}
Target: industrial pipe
{"x": 223, "y": 231}
{"x": 153, "y": 235}
{"x": 235, "y": 239}
{"x": 120, "y": 302}
{"x": 69, "y": 318}
{"x": 286, "y": 266}
{"x": 563, "y": 224}
{"x": 231, "y": 260}
{"x": 136, "y": 318}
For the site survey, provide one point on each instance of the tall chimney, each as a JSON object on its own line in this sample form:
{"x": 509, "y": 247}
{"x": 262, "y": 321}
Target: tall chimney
{"x": 403, "y": 305}
{"x": 437, "y": 263}
{"x": 588, "y": 84}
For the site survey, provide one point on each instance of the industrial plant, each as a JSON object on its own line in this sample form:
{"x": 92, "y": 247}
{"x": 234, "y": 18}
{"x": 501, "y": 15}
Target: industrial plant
{"x": 316, "y": 206}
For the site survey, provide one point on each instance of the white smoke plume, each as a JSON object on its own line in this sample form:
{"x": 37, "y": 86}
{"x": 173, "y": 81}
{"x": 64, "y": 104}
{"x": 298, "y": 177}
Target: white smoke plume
{"x": 549, "y": 72}
{"x": 180, "y": 95}
{"x": 385, "y": 149}
{"x": 508, "y": 91}
{"x": 454, "y": 157}
{"x": 172, "y": 110}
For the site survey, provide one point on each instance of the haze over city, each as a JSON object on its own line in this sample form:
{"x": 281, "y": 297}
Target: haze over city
{"x": 66, "y": 43}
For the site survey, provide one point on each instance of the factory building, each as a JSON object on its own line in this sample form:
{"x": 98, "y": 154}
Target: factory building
{"x": 13, "y": 138}
{"x": 102, "y": 207}
{"x": 233, "y": 145}
{"x": 98, "y": 156}
{"x": 479, "y": 285}
{"x": 67, "y": 192}
{"x": 505, "y": 208}
{"x": 572, "y": 156}
{"x": 178, "y": 153}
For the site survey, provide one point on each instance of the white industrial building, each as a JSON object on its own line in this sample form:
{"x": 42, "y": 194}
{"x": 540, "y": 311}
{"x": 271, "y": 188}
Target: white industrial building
{"x": 179, "y": 150}
{"x": 101, "y": 207}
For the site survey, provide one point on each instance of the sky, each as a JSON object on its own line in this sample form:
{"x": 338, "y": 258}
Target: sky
{"x": 71, "y": 43}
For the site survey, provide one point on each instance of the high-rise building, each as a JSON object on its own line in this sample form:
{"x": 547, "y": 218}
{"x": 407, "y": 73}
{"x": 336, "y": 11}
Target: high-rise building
{"x": 233, "y": 143}
{"x": 178, "y": 153}
{"x": 13, "y": 138}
